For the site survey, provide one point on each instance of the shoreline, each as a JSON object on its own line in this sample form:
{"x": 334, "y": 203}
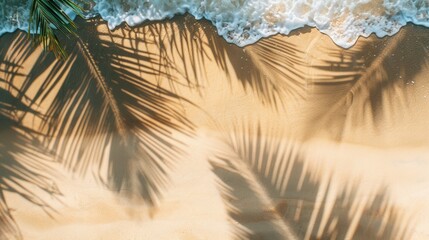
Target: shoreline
{"x": 205, "y": 20}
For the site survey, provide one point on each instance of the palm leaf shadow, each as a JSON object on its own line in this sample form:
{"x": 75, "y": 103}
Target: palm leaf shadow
{"x": 369, "y": 80}
{"x": 270, "y": 69}
{"x": 101, "y": 106}
{"x": 24, "y": 168}
{"x": 302, "y": 199}
{"x": 251, "y": 216}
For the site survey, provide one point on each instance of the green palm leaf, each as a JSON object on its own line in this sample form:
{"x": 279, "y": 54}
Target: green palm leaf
{"x": 47, "y": 17}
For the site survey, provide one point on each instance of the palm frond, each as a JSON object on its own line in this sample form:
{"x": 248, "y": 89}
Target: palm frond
{"x": 47, "y": 17}
{"x": 309, "y": 204}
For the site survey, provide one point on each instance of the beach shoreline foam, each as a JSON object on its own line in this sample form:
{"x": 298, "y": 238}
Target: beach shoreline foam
{"x": 245, "y": 22}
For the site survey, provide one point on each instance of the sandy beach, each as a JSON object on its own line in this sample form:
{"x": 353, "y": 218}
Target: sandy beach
{"x": 292, "y": 137}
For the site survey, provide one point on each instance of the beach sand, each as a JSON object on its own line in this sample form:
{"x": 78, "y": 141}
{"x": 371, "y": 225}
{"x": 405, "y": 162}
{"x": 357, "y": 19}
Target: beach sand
{"x": 291, "y": 138}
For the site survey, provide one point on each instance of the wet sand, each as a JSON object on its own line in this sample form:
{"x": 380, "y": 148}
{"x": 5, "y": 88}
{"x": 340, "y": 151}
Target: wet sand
{"x": 290, "y": 138}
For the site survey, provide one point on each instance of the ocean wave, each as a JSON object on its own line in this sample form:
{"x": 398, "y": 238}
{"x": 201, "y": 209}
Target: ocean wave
{"x": 244, "y": 22}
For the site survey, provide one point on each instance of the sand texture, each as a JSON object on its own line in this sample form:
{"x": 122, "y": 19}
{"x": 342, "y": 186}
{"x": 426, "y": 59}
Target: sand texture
{"x": 165, "y": 131}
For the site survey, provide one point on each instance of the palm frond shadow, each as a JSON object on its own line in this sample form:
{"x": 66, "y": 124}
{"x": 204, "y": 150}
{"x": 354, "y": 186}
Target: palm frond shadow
{"x": 270, "y": 69}
{"x": 24, "y": 168}
{"x": 13, "y": 56}
{"x": 251, "y": 215}
{"x": 369, "y": 80}
{"x": 254, "y": 166}
{"x": 103, "y": 115}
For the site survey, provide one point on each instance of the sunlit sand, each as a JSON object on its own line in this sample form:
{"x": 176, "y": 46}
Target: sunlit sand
{"x": 290, "y": 138}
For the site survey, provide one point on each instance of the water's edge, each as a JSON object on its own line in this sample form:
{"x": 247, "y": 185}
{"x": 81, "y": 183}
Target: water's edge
{"x": 245, "y": 22}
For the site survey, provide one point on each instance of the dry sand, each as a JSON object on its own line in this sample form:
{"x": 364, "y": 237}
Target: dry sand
{"x": 351, "y": 125}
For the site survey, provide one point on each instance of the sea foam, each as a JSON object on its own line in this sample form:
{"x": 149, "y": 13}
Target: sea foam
{"x": 244, "y": 22}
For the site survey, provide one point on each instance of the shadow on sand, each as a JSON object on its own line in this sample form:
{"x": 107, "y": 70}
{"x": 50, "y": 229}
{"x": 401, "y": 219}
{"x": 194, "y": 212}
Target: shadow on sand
{"x": 265, "y": 180}
{"x": 370, "y": 82}
{"x": 104, "y": 114}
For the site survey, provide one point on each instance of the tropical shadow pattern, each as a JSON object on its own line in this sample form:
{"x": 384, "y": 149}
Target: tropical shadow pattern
{"x": 114, "y": 113}
{"x": 369, "y": 80}
{"x": 107, "y": 116}
{"x": 270, "y": 69}
{"x": 258, "y": 172}
{"x": 24, "y": 162}
{"x": 102, "y": 115}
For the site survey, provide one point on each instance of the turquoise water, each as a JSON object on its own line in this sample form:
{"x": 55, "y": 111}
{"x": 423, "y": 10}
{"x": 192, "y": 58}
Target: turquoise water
{"x": 244, "y": 22}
